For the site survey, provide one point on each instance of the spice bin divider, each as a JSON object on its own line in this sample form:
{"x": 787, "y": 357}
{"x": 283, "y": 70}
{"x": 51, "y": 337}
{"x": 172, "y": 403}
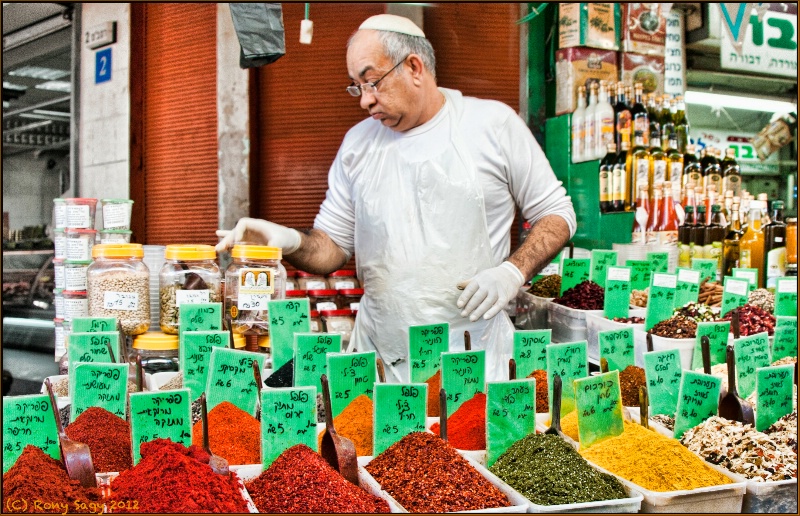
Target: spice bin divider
{"x": 536, "y": 317}
{"x": 568, "y": 324}
{"x": 596, "y": 323}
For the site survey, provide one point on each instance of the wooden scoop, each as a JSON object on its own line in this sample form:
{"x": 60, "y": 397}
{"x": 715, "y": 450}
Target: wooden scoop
{"x": 76, "y": 456}
{"x": 443, "y": 414}
{"x": 603, "y": 365}
{"x": 139, "y": 374}
{"x": 381, "y": 371}
{"x": 467, "y": 341}
{"x": 644, "y": 407}
{"x": 259, "y": 385}
{"x": 649, "y": 341}
{"x": 731, "y": 406}
{"x": 231, "y": 342}
{"x": 705, "y": 347}
{"x": 555, "y": 421}
{"x": 512, "y": 369}
{"x": 735, "y": 324}
{"x": 338, "y": 451}
{"x": 572, "y": 246}
{"x": 217, "y": 463}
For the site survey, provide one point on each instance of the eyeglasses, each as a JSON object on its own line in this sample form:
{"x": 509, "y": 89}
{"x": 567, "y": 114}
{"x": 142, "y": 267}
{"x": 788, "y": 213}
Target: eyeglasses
{"x": 370, "y": 87}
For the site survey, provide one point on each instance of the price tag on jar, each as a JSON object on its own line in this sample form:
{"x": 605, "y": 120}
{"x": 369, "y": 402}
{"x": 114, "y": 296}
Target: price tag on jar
{"x": 231, "y": 378}
{"x": 784, "y": 342}
{"x": 599, "y": 405}
{"x": 200, "y": 317}
{"x": 120, "y": 301}
{"x": 749, "y": 274}
{"x": 285, "y": 318}
{"x": 569, "y": 361}
{"x": 661, "y": 301}
{"x": 617, "y": 300}
{"x": 751, "y": 353}
{"x": 510, "y": 415}
{"x": 195, "y": 358}
{"x": 734, "y": 294}
{"x": 425, "y": 346}
{"x": 255, "y": 288}
{"x": 717, "y": 333}
{"x": 600, "y": 262}
{"x": 616, "y": 346}
{"x": 160, "y": 415}
{"x": 100, "y": 385}
{"x": 93, "y": 324}
{"x": 640, "y": 273}
{"x": 698, "y": 400}
{"x": 310, "y": 352}
{"x": 707, "y": 268}
{"x": 192, "y": 297}
{"x": 463, "y": 376}
{"x": 28, "y": 420}
{"x": 530, "y": 350}
{"x": 288, "y": 418}
{"x": 663, "y": 372}
{"x": 786, "y": 296}
{"x": 688, "y": 287}
{"x": 399, "y": 411}
{"x": 349, "y": 376}
{"x": 91, "y": 347}
{"x": 576, "y": 270}
{"x": 775, "y": 388}
{"x": 658, "y": 261}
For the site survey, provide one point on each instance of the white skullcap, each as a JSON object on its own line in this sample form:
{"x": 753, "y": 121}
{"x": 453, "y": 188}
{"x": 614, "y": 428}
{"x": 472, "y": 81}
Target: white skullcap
{"x": 392, "y": 23}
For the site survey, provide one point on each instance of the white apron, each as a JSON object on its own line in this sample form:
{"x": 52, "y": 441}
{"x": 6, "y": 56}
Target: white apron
{"x": 420, "y": 230}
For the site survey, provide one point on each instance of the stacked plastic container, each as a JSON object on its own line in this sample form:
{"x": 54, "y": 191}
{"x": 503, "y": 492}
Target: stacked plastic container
{"x": 334, "y": 300}
{"x": 154, "y": 258}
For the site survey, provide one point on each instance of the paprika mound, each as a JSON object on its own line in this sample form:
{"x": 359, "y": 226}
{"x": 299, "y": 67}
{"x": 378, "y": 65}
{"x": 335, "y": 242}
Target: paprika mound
{"x": 434, "y": 386}
{"x": 355, "y": 423}
{"x": 542, "y": 399}
{"x": 300, "y": 481}
{"x": 466, "y": 427}
{"x": 108, "y": 437}
{"x": 233, "y": 434}
{"x": 630, "y": 379}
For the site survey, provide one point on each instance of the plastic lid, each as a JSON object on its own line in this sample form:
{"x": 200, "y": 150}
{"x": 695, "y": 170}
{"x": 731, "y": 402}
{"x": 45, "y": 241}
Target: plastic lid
{"x": 80, "y": 231}
{"x": 701, "y": 207}
{"x": 352, "y": 291}
{"x": 258, "y": 252}
{"x": 155, "y": 341}
{"x": 335, "y": 313}
{"x": 313, "y": 313}
{"x": 58, "y": 291}
{"x": 58, "y": 321}
{"x": 688, "y": 208}
{"x": 322, "y": 292}
{"x": 117, "y": 231}
{"x": 792, "y": 220}
{"x": 76, "y": 262}
{"x": 58, "y": 261}
{"x": 304, "y": 274}
{"x": 190, "y": 252}
{"x": 343, "y": 272}
{"x": 291, "y": 274}
{"x": 777, "y": 205}
{"x": 79, "y": 293}
{"x": 81, "y": 200}
{"x": 59, "y": 230}
{"x": 716, "y": 208}
{"x": 58, "y": 199}
{"x": 238, "y": 340}
{"x": 295, "y": 293}
{"x": 263, "y": 341}
{"x": 118, "y": 251}
{"x": 117, "y": 201}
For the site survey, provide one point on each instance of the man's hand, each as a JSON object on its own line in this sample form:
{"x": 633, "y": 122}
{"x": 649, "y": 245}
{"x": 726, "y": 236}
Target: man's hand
{"x": 489, "y": 291}
{"x": 260, "y": 232}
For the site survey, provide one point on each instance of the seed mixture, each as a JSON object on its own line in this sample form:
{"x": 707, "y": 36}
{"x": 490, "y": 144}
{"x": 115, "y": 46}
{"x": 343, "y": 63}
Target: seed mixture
{"x": 698, "y": 312}
{"x": 664, "y": 420}
{"x": 176, "y": 382}
{"x": 629, "y": 320}
{"x": 132, "y": 322}
{"x": 762, "y": 298}
{"x": 548, "y": 286}
{"x": 752, "y": 320}
{"x": 676, "y": 327}
{"x": 784, "y": 431}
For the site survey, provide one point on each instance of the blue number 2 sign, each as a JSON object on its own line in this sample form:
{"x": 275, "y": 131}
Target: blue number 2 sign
{"x": 102, "y": 66}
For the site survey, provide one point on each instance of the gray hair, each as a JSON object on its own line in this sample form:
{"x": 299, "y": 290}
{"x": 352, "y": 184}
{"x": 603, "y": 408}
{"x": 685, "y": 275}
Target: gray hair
{"x": 396, "y": 46}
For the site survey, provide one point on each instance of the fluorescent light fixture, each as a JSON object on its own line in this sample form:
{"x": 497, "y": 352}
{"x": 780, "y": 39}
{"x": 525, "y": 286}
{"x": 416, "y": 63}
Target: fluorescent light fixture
{"x": 712, "y": 100}
{"x": 15, "y": 87}
{"x": 59, "y": 114}
{"x": 39, "y": 72}
{"x": 63, "y": 86}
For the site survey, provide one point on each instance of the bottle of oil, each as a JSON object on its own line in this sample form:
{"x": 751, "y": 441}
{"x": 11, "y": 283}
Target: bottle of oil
{"x": 606, "y": 175}
{"x": 700, "y": 231}
{"x": 620, "y": 195}
{"x": 685, "y": 238}
{"x": 667, "y": 124}
{"x": 692, "y": 170}
{"x": 658, "y": 159}
{"x": 654, "y": 220}
{"x": 730, "y": 246}
{"x": 751, "y": 254}
{"x": 639, "y": 232}
{"x": 622, "y": 117}
{"x": 775, "y": 246}
{"x": 640, "y": 166}
{"x": 641, "y": 122}
{"x": 714, "y": 235}
{"x": 681, "y": 124}
{"x": 731, "y": 174}
{"x": 654, "y": 116}
{"x": 579, "y": 127}
{"x": 675, "y": 166}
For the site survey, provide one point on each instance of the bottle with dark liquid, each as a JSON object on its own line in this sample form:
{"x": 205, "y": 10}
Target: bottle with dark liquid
{"x": 641, "y": 121}
{"x": 620, "y": 195}
{"x": 731, "y": 174}
{"x": 730, "y": 246}
{"x": 685, "y": 237}
{"x": 714, "y": 235}
{"x": 775, "y": 246}
{"x": 606, "y": 178}
{"x": 622, "y": 118}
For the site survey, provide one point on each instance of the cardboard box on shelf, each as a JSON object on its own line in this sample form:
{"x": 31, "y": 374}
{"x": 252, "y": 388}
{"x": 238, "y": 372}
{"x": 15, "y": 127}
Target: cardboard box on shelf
{"x": 589, "y": 25}
{"x": 649, "y": 70}
{"x": 644, "y": 28}
{"x": 581, "y": 66}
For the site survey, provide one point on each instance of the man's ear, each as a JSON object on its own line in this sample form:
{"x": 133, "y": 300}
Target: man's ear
{"x": 417, "y": 68}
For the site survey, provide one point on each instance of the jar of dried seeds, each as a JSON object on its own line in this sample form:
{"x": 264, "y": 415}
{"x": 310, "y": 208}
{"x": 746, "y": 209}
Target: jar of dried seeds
{"x": 118, "y": 283}
{"x": 190, "y": 275}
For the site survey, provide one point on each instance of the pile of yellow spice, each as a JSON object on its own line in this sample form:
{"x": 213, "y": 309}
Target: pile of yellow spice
{"x": 355, "y": 423}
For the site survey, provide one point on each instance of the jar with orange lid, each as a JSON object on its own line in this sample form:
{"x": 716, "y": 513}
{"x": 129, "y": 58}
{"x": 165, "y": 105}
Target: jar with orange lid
{"x": 253, "y": 279}
{"x": 190, "y": 275}
{"x": 344, "y": 279}
{"x": 118, "y": 284}
{"x": 159, "y": 352}
{"x": 323, "y": 299}
{"x": 309, "y": 281}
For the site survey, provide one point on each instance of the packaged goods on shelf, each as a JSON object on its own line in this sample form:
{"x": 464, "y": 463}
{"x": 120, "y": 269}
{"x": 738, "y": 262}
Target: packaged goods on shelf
{"x": 644, "y": 28}
{"x": 594, "y": 25}
{"x": 581, "y": 67}
{"x": 648, "y": 70}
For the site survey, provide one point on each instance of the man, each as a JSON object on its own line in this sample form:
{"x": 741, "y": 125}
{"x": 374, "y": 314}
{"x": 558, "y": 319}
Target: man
{"x": 424, "y": 192}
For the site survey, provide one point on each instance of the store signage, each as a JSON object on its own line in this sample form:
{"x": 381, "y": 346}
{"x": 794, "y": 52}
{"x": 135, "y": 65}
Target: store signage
{"x": 775, "y": 392}
{"x": 616, "y": 346}
{"x": 100, "y": 35}
{"x": 663, "y": 372}
{"x": 93, "y": 324}
{"x": 769, "y": 45}
{"x": 231, "y": 378}
{"x": 599, "y": 405}
{"x": 399, "y": 411}
{"x": 734, "y": 294}
{"x": 617, "y": 300}
{"x": 744, "y": 151}
{"x": 661, "y": 301}
{"x": 569, "y": 361}
{"x": 785, "y": 339}
{"x": 688, "y": 287}
{"x": 160, "y": 415}
{"x": 195, "y": 357}
{"x": 425, "y": 346}
{"x": 600, "y": 262}
{"x": 698, "y": 400}
{"x": 640, "y": 273}
{"x": 350, "y": 375}
{"x": 102, "y": 66}
{"x": 576, "y": 270}
{"x": 510, "y": 415}
{"x": 717, "y": 333}
{"x": 746, "y": 273}
{"x": 310, "y": 357}
{"x": 285, "y": 318}
{"x": 463, "y": 376}
{"x": 786, "y": 296}
{"x": 659, "y": 261}
{"x": 530, "y": 350}
{"x": 675, "y": 55}
{"x": 28, "y": 420}
{"x": 288, "y": 418}
{"x": 751, "y": 353}
{"x": 100, "y": 385}
{"x": 90, "y": 347}
{"x": 707, "y": 268}
{"x": 200, "y": 317}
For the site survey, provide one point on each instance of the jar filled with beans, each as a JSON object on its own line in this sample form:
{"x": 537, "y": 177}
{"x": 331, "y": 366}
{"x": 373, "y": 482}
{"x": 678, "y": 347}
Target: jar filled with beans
{"x": 190, "y": 275}
{"x": 253, "y": 279}
{"x": 119, "y": 286}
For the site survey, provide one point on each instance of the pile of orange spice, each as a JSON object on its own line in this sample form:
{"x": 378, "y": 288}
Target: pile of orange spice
{"x": 233, "y": 434}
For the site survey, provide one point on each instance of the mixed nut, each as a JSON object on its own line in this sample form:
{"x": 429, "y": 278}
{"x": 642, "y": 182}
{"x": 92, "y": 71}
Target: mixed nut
{"x": 676, "y": 327}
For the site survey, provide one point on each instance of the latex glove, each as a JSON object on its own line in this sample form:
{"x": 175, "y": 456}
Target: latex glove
{"x": 490, "y": 291}
{"x": 262, "y": 232}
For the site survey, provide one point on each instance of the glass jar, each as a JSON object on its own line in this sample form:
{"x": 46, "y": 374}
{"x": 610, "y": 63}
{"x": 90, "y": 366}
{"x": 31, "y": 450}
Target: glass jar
{"x": 291, "y": 281}
{"x": 117, "y": 213}
{"x": 76, "y": 304}
{"x": 254, "y": 277}
{"x": 115, "y": 236}
{"x": 308, "y": 281}
{"x": 323, "y": 300}
{"x": 791, "y": 241}
{"x": 159, "y": 352}
{"x": 59, "y": 213}
{"x": 58, "y": 273}
{"x": 350, "y": 298}
{"x": 119, "y": 286}
{"x": 80, "y": 243}
{"x": 315, "y": 322}
{"x": 58, "y": 302}
{"x": 339, "y": 321}
{"x": 80, "y": 212}
{"x": 344, "y": 279}
{"x": 60, "y": 242}
{"x": 190, "y": 275}
{"x": 61, "y": 346}
{"x": 75, "y": 275}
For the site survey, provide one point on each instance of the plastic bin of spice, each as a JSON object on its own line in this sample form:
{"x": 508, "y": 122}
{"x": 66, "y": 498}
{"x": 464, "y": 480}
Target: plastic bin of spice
{"x": 478, "y": 456}
{"x": 80, "y": 212}
{"x": 684, "y": 346}
{"x": 568, "y": 324}
{"x": 778, "y": 496}
{"x": 536, "y": 316}
{"x": 117, "y": 213}
{"x": 596, "y": 323}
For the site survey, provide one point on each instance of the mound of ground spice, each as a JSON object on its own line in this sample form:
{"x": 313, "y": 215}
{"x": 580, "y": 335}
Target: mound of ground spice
{"x": 630, "y": 379}
{"x": 37, "y": 483}
{"x": 300, "y": 481}
{"x": 434, "y": 386}
{"x": 172, "y": 478}
{"x": 466, "y": 427}
{"x": 355, "y": 423}
{"x": 108, "y": 437}
{"x": 283, "y": 377}
{"x": 542, "y": 399}
{"x": 425, "y": 474}
{"x": 233, "y": 434}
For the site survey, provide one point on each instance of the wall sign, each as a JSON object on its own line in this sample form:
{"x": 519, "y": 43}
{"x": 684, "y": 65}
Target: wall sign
{"x": 101, "y": 35}
{"x": 102, "y": 66}
{"x": 675, "y": 55}
{"x": 769, "y": 45}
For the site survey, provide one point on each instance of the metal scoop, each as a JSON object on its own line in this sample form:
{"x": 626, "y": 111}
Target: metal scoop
{"x": 381, "y": 371}
{"x": 217, "y": 463}
{"x": 555, "y": 421}
{"x": 731, "y": 406}
{"x": 338, "y": 451}
{"x": 76, "y": 456}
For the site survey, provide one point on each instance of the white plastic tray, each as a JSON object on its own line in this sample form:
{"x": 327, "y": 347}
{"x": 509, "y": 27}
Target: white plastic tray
{"x": 684, "y": 346}
{"x": 596, "y": 323}
{"x": 536, "y": 318}
{"x": 568, "y": 324}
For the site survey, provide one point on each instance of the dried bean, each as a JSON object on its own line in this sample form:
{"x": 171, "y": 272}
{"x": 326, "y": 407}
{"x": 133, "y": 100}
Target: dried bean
{"x": 586, "y": 295}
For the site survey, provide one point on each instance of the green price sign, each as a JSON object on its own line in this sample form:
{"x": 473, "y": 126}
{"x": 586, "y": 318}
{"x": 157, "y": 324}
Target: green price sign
{"x": 617, "y": 299}
{"x": 231, "y": 378}
{"x": 100, "y": 385}
{"x": 688, "y": 287}
{"x": 707, "y": 267}
{"x": 640, "y": 273}
{"x": 616, "y": 346}
{"x": 350, "y": 375}
{"x": 661, "y": 301}
{"x": 662, "y": 370}
{"x": 288, "y": 417}
{"x": 463, "y": 376}
{"x": 698, "y": 400}
{"x": 510, "y": 415}
{"x": 751, "y": 275}
{"x": 658, "y": 261}
{"x": 785, "y": 339}
{"x": 425, "y": 345}
{"x": 786, "y": 296}
{"x": 554, "y": 267}
{"x": 734, "y": 294}
{"x": 310, "y": 351}
{"x": 200, "y": 317}
{"x": 160, "y": 415}
{"x": 195, "y": 358}
{"x": 751, "y": 352}
{"x": 600, "y": 262}
{"x": 529, "y": 350}
{"x": 286, "y": 318}
{"x": 569, "y": 361}
{"x": 599, "y": 404}
{"x": 576, "y": 270}
{"x": 399, "y": 411}
{"x": 93, "y": 324}
{"x": 717, "y": 333}
{"x": 775, "y": 393}
{"x": 28, "y": 420}
{"x": 91, "y": 347}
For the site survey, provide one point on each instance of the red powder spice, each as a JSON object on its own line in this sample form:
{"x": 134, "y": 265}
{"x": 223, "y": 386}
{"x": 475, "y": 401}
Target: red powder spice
{"x": 466, "y": 427}
{"x": 37, "y": 483}
{"x": 170, "y": 478}
{"x": 234, "y": 434}
{"x": 434, "y": 386}
{"x": 108, "y": 437}
{"x": 300, "y": 481}
{"x": 542, "y": 399}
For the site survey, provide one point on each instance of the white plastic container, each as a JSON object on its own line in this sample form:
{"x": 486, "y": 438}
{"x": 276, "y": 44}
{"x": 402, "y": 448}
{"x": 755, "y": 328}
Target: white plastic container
{"x": 76, "y": 304}
{"x": 684, "y": 346}
{"x": 58, "y": 273}
{"x": 60, "y": 242}
{"x": 59, "y": 213}
{"x": 80, "y": 243}
{"x": 537, "y": 314}
{"x": 568, "y": 324}
{"x": 75, "y": 275}
{"x": 596, "y": 323}
{"x": 58, "y": 302}
{"x": 80, "y": 212}
{"x": 115, "y": 236}
{"x": 117, "y": 214}
{"x": 771, "y": 497}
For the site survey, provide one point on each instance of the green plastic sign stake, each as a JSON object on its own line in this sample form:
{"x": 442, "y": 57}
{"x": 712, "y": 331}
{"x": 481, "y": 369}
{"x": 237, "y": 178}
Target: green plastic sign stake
{"x": 93, "y": 324}
{"x": 463, "y": 376}
{"x": 698, "y": 400}
{"x": 599, "y": 404}
{"x": 510, "y": 415}
{"x": 100, "y": 385}
{"x": 717, "y": 333}
{"x": 688, "y": 287}
{"x": 200, "y": 317}
{"x": 734, "y": 294}
{"x": 350, "y": 375}
{"x": 90, "y": 347}
{"x": 785, "y": 339}
{"x": 775, "y": 393}
{"x": 28, "y": 420}
{"x": 425, "y": 344}
{"x": 576, "y": 270}
{"x": 707, "y": 268}
{"x": 195, "y": 358}
{"x": 231, "y": 378}
{"x": 554, "y": 267}
{"x": 399, "y": 411}
{"x": 160, "y": 415}
{"x": 529, "y": 350}
{"x": 569, "y": 361}
{"x": 616, "y": 346}
{"x": 310, "y": 350}
{"x": 786, "y": 296}
{"x": 663, "y": 372}
{"x": 640, "y": 274}
{"x": 661, "y": 301}
{"x": 600, "y": 262}
{"x": 617, "y": 299}
{"x": 658, "y": 261}
{"x": 751, "y": 353}
{"x": 286, "y": 317}
{"x": 288, "y": 417}
{"x": 749, "y": 274}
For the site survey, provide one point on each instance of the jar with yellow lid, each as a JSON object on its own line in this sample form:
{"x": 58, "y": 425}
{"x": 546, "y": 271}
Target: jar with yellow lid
{"x": 190, "y": 275}
{"x": 253, "y": 279}
{"x": 159, "y": 352}
{"x": 118, "y": 284}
